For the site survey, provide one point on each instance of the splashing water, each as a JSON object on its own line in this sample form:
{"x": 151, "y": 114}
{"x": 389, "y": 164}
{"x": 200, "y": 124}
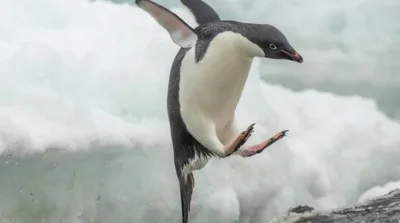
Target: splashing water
{"x": 84, "y": 134}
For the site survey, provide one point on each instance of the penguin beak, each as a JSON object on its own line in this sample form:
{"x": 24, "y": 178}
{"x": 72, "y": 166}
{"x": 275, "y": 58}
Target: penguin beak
{"x": 292, "y": 56}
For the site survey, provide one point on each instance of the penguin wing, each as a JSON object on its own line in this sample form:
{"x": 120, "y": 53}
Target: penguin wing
{"x": 186, "y": 188}
{"x": 181, "y": 33}
{"x": 202, "y": 12}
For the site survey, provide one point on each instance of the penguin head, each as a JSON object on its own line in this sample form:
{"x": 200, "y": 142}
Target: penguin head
{"x": 260, "y": 40}
{"x": 271, "y": 40}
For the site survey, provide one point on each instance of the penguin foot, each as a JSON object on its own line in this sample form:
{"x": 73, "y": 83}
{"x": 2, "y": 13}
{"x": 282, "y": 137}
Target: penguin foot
{"x": 253, "y": 150}
{"x": 239, "y": 141}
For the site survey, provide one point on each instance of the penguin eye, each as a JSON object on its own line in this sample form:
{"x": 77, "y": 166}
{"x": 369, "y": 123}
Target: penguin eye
{"x": 272, "y": 46}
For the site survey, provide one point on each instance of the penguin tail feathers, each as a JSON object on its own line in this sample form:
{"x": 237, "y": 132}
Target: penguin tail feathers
{"x": 186, "y": 188}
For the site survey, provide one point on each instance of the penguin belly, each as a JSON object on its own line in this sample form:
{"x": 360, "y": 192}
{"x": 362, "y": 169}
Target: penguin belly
{"x": 211, "y": 89}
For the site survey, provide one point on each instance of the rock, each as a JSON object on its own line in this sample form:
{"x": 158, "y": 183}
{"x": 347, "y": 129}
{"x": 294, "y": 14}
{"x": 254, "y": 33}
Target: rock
{"x": 384, "y": 209}
{"x": 301, "y": 209}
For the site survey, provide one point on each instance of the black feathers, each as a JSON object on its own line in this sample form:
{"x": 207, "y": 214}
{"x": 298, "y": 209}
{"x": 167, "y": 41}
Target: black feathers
{"x": 186, "y": 189}
{"x": 202, "y": 12}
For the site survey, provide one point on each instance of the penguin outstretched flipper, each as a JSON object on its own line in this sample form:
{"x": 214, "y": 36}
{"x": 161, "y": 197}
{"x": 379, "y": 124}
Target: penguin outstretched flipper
{"x": 202, "y": 12}
{"x": 186, "y": 189}
{"x": 181, "y": 33}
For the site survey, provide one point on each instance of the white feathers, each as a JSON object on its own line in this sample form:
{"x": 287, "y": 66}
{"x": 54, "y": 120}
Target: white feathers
{"x": 211, "y": 89}
{"x": 194, "y": 164}
{"x": 181, "y": 33}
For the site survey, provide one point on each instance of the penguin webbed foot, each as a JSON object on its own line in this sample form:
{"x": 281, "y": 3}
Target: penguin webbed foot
{"x": 239, "y": 141}
{"x": 253, "y": 150}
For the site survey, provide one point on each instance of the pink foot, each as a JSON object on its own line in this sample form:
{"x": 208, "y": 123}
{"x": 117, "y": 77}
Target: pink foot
{"x": 253, "y": 150}
{"x": 239, "y": 141}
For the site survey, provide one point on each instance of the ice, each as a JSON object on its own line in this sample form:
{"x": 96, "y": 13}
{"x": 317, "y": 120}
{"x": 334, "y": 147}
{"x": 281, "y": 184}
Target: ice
{"x": 84, "y": 133}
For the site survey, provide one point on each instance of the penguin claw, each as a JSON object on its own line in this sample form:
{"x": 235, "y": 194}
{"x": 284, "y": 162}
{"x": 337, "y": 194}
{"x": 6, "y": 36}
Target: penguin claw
{"x": 263, "y": 145}
{"x": 241, "y": 139}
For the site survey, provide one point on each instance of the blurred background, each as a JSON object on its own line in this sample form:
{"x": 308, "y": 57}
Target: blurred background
{"x": 84, "y": 134}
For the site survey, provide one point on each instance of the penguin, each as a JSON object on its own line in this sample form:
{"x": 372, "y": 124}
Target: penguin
{"x": 206, "y": 81}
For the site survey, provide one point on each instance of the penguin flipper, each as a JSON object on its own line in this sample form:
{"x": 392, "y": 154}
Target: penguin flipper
{"x": 186, "y": 188}
{"x": 202, "y": 12}
{"x": 180, "y": 32}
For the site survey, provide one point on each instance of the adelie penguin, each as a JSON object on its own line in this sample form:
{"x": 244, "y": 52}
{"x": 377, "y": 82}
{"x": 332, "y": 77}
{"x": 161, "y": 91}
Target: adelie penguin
{"x": 206, "y": 82}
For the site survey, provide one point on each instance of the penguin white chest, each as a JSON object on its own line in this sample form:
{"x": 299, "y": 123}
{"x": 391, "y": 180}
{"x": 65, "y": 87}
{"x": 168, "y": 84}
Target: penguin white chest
{"x": 212, "y": 88}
